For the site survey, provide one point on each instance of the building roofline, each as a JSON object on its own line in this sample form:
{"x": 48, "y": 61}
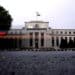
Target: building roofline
{"x": 36, "y": 22}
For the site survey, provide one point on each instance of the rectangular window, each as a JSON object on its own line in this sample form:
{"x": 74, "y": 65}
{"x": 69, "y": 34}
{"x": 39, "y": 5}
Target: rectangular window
{"x": 69, "y": 32}
{"x": 36, "y": 34}
{"x": 53, "y": 41}
{"x": 31, "y": 39}
{"x": 57, "y": 41}
{"x": 65, "y": 32}
{"x": 73, "y": 32}
{"x": 42, "y": 42}
{"x": 61, "y": 32}
{"x": 31, "y": 42}
{"x": 42, "y": 39}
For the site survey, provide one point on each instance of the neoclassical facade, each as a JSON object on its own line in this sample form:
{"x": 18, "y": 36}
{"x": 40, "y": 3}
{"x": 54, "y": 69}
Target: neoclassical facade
{"x": 38, "y": 34}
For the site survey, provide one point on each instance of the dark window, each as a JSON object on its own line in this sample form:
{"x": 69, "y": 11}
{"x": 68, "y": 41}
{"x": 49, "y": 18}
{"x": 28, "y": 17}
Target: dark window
{"x": 65, "y": 38}
{"x": 36, "y": 26}
{"x": 36, "y": 43}
{"x": 42, "y": 42}
{"x": 42, "y": 34}
{"x": 42, "y": 39}
{"x": 36, "y": 34}
{"x": 69, "y": 32}
{"x": 57, "y": 41}
{"x": 61, "y": 32}
{"x": 73, "y": 32}
{"x": 31, "y": 39}
{"x": 52, "y": 41}
{"x": 31, "y": 42}
{"x": 65, "y": 32}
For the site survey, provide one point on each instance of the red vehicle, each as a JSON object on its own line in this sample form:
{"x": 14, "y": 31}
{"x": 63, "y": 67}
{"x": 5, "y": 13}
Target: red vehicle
{"x": 2, "y": 33}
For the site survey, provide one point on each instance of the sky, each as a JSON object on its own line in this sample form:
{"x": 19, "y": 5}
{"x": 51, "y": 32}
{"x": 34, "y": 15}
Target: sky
{"x": 59, "y": 13}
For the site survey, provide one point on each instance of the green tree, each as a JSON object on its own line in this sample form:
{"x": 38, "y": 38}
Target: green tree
{"x": 5, "y": 19}
{"x": 63, "y": 43}
{"x": 70, "y": 44}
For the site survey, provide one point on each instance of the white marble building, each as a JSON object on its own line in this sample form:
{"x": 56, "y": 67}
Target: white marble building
{"x": 38, "y": 34}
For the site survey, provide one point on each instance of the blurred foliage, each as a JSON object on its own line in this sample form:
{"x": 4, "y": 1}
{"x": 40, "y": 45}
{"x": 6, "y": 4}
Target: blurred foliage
{"x": 5, "y": 19}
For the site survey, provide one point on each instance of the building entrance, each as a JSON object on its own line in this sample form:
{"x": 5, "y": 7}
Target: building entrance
{"x": 36, "y": 39}
{"x": 36, "y": 43}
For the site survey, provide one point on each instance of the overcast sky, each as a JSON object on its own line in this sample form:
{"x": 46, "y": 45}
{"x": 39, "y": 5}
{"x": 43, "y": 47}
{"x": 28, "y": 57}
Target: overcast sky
{"x": 59, "y": 13}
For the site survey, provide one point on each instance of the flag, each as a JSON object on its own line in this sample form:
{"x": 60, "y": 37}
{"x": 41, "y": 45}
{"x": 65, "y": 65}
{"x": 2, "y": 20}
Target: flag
{"x": 37, "y": 14}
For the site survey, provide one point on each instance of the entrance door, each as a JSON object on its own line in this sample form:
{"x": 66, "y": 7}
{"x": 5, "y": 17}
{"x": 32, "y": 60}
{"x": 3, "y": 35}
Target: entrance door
{"x": 36, "y": 43}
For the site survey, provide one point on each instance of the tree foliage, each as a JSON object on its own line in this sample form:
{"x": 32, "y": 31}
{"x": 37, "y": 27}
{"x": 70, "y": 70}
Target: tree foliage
{"x": 65, "y": 44}
{"x": 71, "y": 44}
{"x": 11, "y": 43}
{"x": 5, "y": 19}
